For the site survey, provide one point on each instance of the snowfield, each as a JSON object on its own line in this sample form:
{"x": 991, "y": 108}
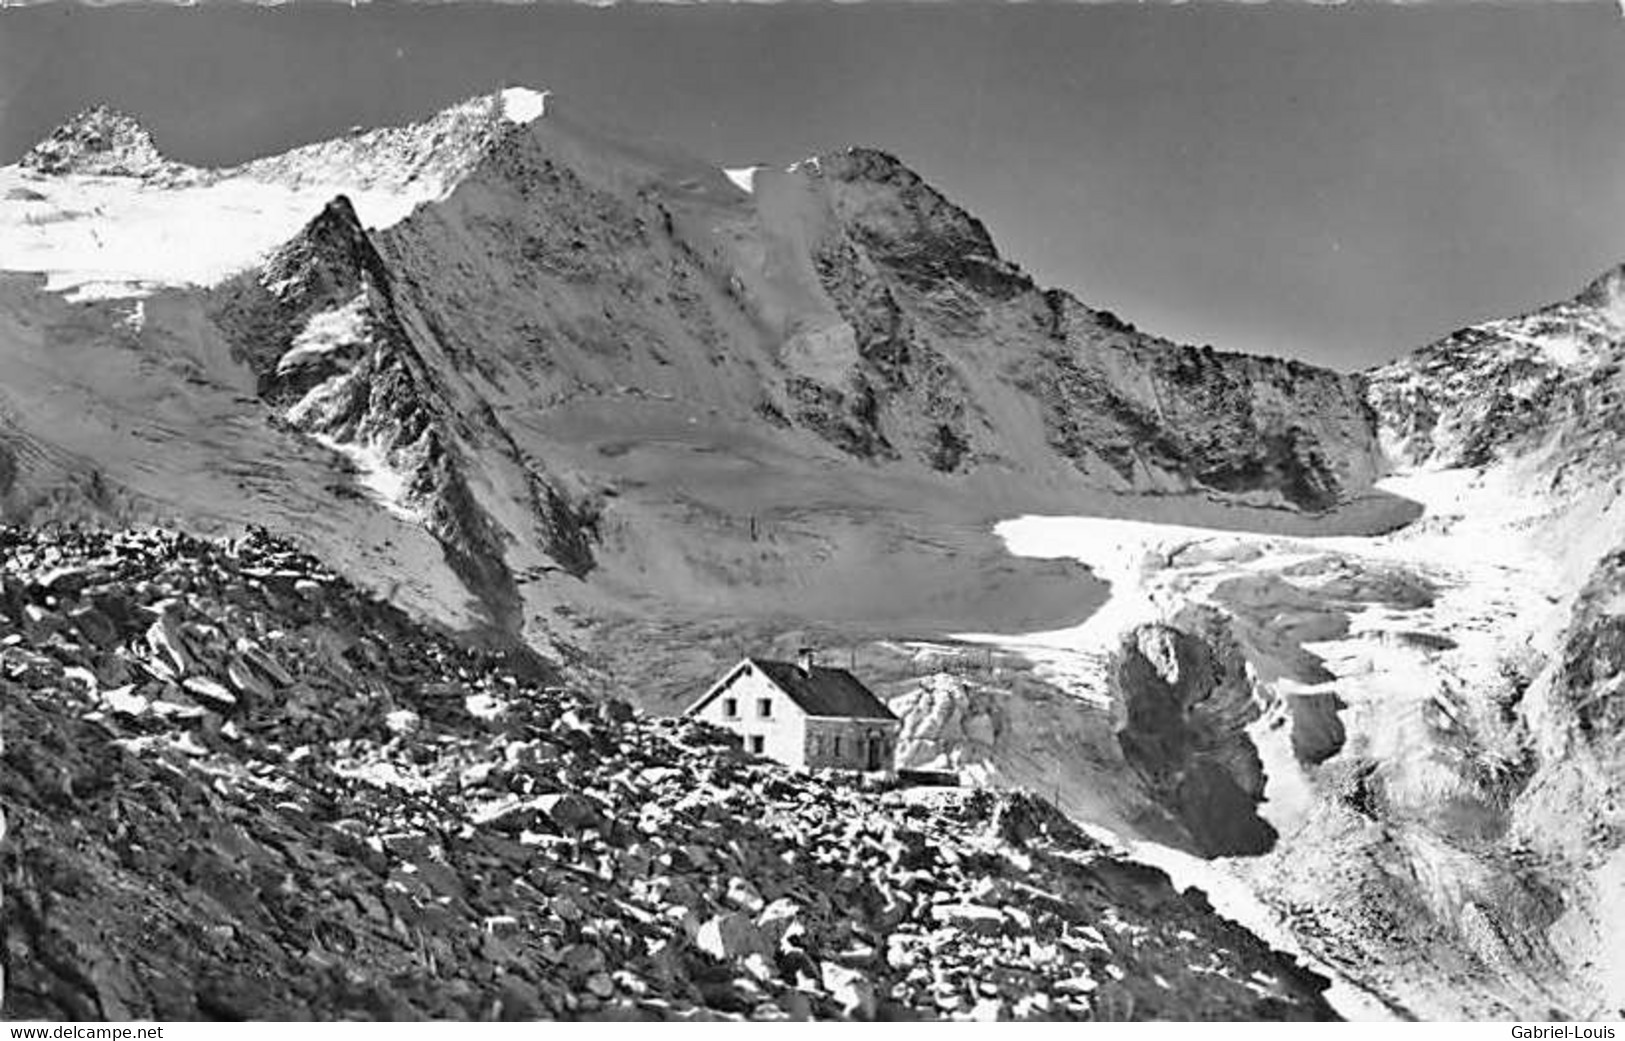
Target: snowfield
{"x": 387, "y": 484}
{"x": 97, "y": 237}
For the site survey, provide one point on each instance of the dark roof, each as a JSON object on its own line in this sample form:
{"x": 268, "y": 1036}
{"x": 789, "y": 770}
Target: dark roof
{"x": 824, "y": 691}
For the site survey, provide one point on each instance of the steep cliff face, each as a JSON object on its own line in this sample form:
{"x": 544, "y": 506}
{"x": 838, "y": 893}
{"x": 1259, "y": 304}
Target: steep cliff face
{"x": 1124, "y": 408}
{"x": 338, "y": 357}
{"x": 1168, "y": 417}
{"x": 910, "y": 228}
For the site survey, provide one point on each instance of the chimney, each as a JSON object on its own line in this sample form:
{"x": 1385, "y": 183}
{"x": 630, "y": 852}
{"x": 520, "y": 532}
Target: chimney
{"x": 804, "y": 660}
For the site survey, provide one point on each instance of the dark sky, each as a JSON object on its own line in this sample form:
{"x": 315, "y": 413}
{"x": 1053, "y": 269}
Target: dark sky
{"x": 1337, "y": 184}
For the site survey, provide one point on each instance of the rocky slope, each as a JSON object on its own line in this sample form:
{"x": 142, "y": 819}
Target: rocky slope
{"x": 1185, "y": 702}
{"x": 236, "y": 787}
{"x": 1567, "y": 817}
{"x": 579, "y": 364}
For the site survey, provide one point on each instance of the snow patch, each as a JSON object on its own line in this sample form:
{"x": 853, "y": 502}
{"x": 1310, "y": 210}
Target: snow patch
{"x": 522, "y": 105}
{"x": 326, "y": 332}
{"x": 388, "y": 485}
{"x": 103, "y": 289}
{"x": 743, "y": 177}
{"x": 1564, "y": 351}
{"x": 384, "y": 775}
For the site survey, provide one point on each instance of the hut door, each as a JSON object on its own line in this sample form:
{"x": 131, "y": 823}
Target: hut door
{"x": 874, "y": 751}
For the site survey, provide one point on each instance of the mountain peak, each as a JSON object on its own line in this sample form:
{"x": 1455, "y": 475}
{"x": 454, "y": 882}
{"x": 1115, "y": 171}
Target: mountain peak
{"x": 1606, "y": 291}
{"x": 99, "y": 140}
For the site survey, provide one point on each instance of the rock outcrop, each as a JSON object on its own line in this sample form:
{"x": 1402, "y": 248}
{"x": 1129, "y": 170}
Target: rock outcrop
{"x": 1185, "y": 699}
{"x": 337, "y": 351}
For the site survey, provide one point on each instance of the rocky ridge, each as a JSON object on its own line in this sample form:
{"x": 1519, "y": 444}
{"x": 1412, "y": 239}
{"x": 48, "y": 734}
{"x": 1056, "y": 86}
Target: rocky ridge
{"x": 1166, "y": 417}
{"x": 101, "y": 141}
{"x": 326, "y": 329}
{"x": 1545, "y": 382}
{"x": 1124, "y": 408}
{"x": 235, "y": 787}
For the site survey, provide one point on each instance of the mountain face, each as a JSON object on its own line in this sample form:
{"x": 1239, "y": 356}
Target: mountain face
{"x": 237, "y": 788}
{"x": 1545, "y": 381}
{"x": 1232, "y": 423}
{"x": 1403, "y": 744}
{"x": 324, "y": 329}
{"x": 476, "y": 314}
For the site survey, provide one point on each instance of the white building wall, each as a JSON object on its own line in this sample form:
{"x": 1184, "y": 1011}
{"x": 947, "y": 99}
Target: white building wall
{"x": 782, "y": 730}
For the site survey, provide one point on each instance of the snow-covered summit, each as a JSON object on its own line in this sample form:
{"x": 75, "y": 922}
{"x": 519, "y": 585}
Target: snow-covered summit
{"x": 424, "y": 159}
{"x": 99, "y": 211}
